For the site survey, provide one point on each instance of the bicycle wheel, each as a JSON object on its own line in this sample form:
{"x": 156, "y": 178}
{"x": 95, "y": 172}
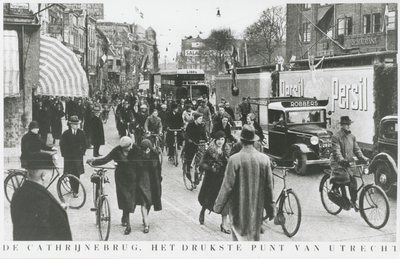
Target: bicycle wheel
{"x": 104, "y": 218}
{"x": 67, "y": 195}
{"x": 12, "y": 182}
{"x": 186, "y": 181}
{"x": 176, "y": 158}
{"x": 374, "y": 206}
{"x": 324, "y": 188}
{"x": 160, "y": 154}
{"x": 290, "y": 209}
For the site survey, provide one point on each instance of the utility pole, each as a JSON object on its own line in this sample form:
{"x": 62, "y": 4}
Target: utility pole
{"x": 87, "y": 53}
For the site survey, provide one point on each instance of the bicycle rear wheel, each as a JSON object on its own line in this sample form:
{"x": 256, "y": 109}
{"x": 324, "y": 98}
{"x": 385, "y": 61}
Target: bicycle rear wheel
{"x": 12, "y": 182}
{"x": 186, "y": 181}
{"x": 74, "y": 200}
{"x": 176, "y": 158}
{"x": 104, "y": 218}
{"x": 324, "y": 188}
{"x": 291, "y": 212}
{"x": 374, "y": 206}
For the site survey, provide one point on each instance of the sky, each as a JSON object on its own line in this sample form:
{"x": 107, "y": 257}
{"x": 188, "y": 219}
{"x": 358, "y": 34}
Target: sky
{"x": 174, "y": 19}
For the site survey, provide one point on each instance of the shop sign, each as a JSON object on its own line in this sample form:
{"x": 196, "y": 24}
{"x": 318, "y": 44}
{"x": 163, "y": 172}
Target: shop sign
{"x": 19, "y": 8}
{"x": 363, "y": 41}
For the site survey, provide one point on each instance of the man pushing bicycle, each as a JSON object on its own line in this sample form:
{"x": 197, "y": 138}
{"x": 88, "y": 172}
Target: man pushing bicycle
{"x": 344, "y": 149}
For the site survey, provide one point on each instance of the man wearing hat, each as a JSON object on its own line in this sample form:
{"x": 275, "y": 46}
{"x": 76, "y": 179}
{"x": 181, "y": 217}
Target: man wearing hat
{"x": 31, "y": 143}
{"x": 344, "y": 149}
{"x": 97, "y": 131}
{"x": 248, "y": 185}
{"x": 174, "y": 121}
{"x": 73, "y": 147}
{"x": 35, "y": 213}
{"x": 203, "y": 108}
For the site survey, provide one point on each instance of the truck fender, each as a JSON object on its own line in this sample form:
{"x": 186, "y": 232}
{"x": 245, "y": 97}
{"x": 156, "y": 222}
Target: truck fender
{"x": 301, "y": 147}
{"x": 383, "y": 157}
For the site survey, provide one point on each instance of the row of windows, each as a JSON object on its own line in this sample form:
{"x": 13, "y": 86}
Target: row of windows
{"x": 371, "y": 24}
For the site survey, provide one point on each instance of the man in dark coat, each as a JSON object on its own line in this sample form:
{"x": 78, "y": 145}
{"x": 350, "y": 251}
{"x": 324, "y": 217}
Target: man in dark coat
{"x": 35, "y": 213}
{"x": 73, "y": 147}
{"x": 70, "y": 108}
{"x": 86, "y": 126}
{"x": 31, "y": 144}
{"x": 96, "y": 126}
{"x": 229, "y": 110}
{"x": 244, "y": 109}
{"x": 225, "y": 127}
{"x": 44, "y": 123}
{"x": 344, "y": 149}
{"x": 174, "y": 121}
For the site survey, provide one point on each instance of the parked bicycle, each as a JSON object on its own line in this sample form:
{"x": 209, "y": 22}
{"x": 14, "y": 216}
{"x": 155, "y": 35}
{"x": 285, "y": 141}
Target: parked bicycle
{"x": 373, "y": 202}
{"x": 101, "y": 204}
{"x": 288, "y": 205}
{"x": 197, "y": 173}
{"x": 17, "y": 177}
{"x": 175, "y": 157}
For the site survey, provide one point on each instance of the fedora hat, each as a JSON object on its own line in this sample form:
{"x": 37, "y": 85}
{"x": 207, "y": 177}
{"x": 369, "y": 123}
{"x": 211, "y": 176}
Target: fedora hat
{"x": 96, "y": 109}
{"x": 248, "y": 133}
{"x": 345, "y": 120}
{"x": 74, "y": 120}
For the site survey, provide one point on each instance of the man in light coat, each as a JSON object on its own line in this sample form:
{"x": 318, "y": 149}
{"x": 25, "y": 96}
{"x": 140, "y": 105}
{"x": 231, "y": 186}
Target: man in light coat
{"x": 248, "y": 186}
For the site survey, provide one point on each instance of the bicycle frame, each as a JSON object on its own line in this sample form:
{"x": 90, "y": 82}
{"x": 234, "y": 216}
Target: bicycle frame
{"x": 283, "y": 177}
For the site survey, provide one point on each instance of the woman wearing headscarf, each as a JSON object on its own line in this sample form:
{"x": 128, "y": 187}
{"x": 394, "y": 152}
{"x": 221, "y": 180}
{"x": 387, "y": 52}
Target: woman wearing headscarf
{"x": 149, "y": 191}
{"x": 126, "y": 156}
{"x": 213, "y": 163}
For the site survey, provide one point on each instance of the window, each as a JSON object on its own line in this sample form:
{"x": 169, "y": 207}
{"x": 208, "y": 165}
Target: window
{"x": 367, "y": 23}
{"x": 345, "y": 26}
{"x": 391, "y": 20}
{"x": 306, "y": 32}
{"x": 376, "y": 21}
{"x": 307, "y": 6}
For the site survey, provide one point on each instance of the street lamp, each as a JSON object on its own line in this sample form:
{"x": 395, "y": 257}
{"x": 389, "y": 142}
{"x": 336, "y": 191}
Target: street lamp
{"x": 218, "y": 13}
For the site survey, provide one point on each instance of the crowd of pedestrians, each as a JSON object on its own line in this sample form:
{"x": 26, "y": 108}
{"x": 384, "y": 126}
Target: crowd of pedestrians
{"x": 138, "y": 120}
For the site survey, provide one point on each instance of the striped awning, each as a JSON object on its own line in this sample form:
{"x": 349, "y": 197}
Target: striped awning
{"x": 10, "y": 64}
{"x": 60, "y": 73}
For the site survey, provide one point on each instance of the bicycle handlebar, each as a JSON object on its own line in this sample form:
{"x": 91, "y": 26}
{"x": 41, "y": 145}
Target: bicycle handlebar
{"x": 174, "y": 130}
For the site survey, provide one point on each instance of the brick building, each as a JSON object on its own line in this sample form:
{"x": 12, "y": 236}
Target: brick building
{"x": 345, "y": 34}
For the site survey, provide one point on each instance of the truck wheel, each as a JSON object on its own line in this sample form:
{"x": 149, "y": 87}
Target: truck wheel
{"x": 385, "y": 178}
{"x": 299, "y": 160}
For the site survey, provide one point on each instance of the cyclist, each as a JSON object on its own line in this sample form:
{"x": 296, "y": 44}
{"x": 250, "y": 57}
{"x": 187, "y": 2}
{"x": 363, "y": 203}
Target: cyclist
{"x": 153, "y": 125}
{"x": 140, "y": 121}
{"x": 344, "y": 149}
{"x": 125, "y": 116}
{"x": 31, "y": 143}
{"x": 194, "y": 134}
{"x": 174, "y": 121}
{"x": 187, "y": 115}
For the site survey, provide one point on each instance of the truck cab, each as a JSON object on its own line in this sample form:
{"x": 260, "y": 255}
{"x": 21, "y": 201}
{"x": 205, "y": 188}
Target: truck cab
{"x": 384, "y": 164}
{"x": 295, "y": 131}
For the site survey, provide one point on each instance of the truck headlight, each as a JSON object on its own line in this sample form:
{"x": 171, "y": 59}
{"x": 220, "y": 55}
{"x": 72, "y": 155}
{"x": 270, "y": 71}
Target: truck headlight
{"x": 314, "y": 140}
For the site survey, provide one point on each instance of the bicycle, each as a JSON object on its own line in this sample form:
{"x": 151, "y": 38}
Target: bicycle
{"x": 373, "y": 200}
{"x": 198, "y": 174}
{"x": 289, "y": 209}
{"x": 17, "y": 177}
{"x": 156, "y": 145}
{"x": 101, "y": 204}
{"x": 175, "y": 158}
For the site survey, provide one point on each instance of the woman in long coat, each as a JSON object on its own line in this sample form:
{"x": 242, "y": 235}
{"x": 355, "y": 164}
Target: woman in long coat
{"x": 149, "y": 191}
{"x": 126, "y": 176}
{"x": 56, "y": 125}
{"x": 213, "y": 163}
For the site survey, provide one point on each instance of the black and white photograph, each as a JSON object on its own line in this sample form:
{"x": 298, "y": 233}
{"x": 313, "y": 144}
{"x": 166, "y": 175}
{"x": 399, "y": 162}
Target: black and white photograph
{"x": 199, "y": 129}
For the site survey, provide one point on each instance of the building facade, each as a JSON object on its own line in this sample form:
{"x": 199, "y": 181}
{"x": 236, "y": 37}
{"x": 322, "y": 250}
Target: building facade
{"x": 344, "y": 34}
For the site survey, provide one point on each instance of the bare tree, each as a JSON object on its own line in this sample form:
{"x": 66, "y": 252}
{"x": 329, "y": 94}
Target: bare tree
{"x": 217, "y": 48}
{"x": 266, "y": 35}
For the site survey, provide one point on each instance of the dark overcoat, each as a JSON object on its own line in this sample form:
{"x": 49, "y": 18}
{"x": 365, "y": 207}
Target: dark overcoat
{"x": 73, "y": 148}
{"x": 227, "y": 130}
{"x": 96, "y": 126}
{"x": 248, "y": 185}
{"x": 150, "y": 180}
{"x": 56, "y": 125}
{"x": 37, "y": 215}
{"x": 213, "y": 178}
{"x": 44, "y": 121}
{"x": 31, "y": 143}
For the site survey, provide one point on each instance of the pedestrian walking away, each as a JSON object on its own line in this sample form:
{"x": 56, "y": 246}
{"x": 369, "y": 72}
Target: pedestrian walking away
{"x": 35, "y": 213}
{"x": 248, "y": 185}
{"x": 213, "y": 163}
{"x": 73, "y": 147}
{"x": 96, "y": 126}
